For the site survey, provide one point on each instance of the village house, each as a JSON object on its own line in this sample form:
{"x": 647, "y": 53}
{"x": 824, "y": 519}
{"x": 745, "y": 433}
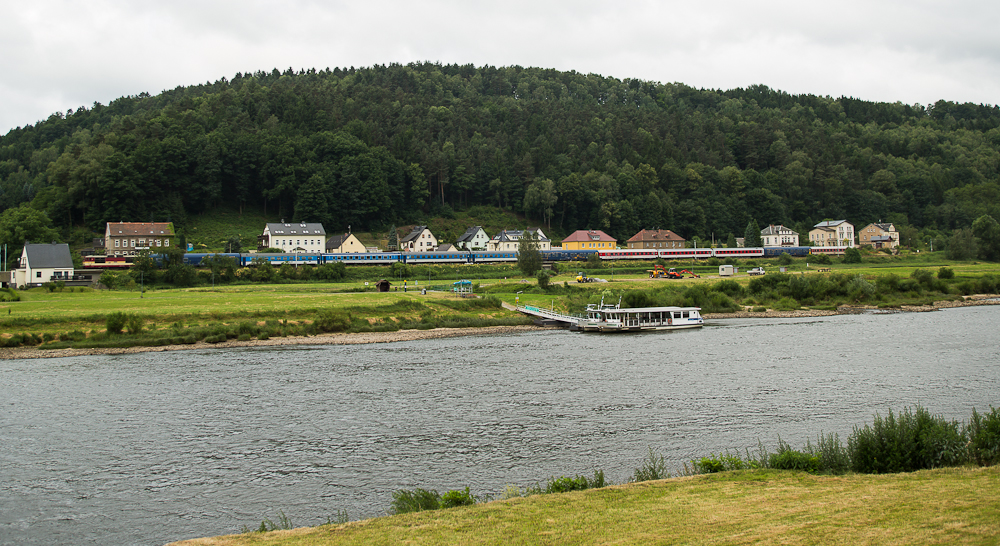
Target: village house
{"x": 832, "y": 233}
{"x": 43, "y": 263}
{"x": 509, "y": 240}
{"x": 343, "y": 244}
{"x": 879, "y": 235}
{"x": 474, "y": 238}
{"x": 589, "y": 239}
{"x": 778, "y": 235}
{"x": 656, "y": 238}
{"x": 298, "y": 237}
{"x": 419, "y": 240}
{"x": 128, "y": 238}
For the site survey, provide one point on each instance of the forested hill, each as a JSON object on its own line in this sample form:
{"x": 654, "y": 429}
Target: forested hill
{"x": 375, "y": 146}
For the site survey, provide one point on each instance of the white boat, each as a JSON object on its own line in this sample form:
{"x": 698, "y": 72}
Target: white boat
{"x": 613, "y": 318}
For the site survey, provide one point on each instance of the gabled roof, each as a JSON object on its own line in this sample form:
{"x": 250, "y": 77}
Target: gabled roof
{"x": 655, "y": 235}
{"x": 830, "y": 223}
{"x": 126, "y": 229}
{"x": 512, "y": 235}
{"x": 885, "y": 227}
{"x": 777, "y": 230}
{"x": 298, "y": 229}
{"x": 470, "y": 234}
{"x": 585, "y": 235}
{"x": 417, "y": 230}
{"x": 338, "y": 241}
{"x": 52, "y": 256}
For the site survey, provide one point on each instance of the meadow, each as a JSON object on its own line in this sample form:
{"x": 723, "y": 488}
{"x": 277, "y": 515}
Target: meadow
{"x": 144, "y": 315}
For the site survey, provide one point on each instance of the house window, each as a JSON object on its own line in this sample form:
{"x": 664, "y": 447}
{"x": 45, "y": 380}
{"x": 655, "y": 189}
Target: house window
{"x": 117, "y": 243}
{"x": 38, "y": 274}
{"x": 133, "y": 243}
{"x": 166, "y": 242}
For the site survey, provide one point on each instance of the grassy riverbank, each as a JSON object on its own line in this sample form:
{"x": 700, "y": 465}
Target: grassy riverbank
{"x": 85, "y": 318}
{"x": 944, "y": 506}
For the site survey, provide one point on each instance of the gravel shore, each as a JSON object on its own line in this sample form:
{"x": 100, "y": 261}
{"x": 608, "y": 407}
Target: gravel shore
{"x": 967, "y": 301}
{"x": 409, "y": 335}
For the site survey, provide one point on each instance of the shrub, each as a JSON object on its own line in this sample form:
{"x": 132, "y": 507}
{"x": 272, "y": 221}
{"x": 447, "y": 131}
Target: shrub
{"x": 787, "y": 304}
{"x": 887, "y": 284}
{"x": 860, "y": 289}
{"x": 984, "y": 437}
{"x": 730, "y": 288}
{"x": 821, "y": 259}
{"x": 543, "y": 279}
{"x": 332, "y": 321}
{"x": 134, "y": 323}
{"x": 653, "y": 468}
{"x": 987, "y": 284}
{"x": 247, "y": 328}
{"x": 852, "y": 256}
{"x": 833, "y": 456}
{"x": 946, "y": 273}
{"x": 405, "y": 501}
{"x": 794, "y": 460}
{"x": 9, "y": 294}
{"x": 455, "y": 498}
{"x": 907, "y": 442}
{"x": 720, "y": 463}
{"x": 924, "y": 277}
{"x": 564, "y": 484}
{"x": 115, "y": 322}
{"x": 785, "y": 259}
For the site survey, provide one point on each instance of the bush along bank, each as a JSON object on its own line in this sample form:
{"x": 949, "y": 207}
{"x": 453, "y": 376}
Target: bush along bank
{"x": 899, "y": 442}
{"x": 122, "y": 330}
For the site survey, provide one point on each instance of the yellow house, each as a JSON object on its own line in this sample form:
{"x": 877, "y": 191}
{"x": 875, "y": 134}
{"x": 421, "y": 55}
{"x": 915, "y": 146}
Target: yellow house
{"x": 593, "y": 239}
{"x": 341, "y": 244}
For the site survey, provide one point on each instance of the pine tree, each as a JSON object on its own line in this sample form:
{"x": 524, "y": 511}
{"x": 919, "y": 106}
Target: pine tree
{"x": 393, "y": 244}
{"x": 751, "y": 237}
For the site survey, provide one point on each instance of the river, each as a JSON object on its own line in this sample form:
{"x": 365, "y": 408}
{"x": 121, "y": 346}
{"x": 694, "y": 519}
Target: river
{"x": 154, "y": 447}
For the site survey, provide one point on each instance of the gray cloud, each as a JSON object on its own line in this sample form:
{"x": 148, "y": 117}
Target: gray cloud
{"x": 61, "y": 54}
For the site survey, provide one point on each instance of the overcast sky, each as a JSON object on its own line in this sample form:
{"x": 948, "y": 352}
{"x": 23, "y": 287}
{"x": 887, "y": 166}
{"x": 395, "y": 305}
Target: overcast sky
{"x": 56, "y": 55}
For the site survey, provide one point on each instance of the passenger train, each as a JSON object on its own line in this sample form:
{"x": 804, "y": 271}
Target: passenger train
{"x": 475, "y": 257}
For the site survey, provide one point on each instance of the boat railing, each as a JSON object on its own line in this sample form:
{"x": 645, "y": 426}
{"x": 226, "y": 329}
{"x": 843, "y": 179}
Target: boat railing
{"x": 549, "y": 314}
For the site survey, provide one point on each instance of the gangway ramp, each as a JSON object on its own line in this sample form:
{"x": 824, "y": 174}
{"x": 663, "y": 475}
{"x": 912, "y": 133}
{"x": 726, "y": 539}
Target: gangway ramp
{"x": 549, "y": 317}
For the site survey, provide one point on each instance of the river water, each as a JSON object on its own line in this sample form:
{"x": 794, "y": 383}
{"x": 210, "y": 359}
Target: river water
{"x": 155, "y": 447}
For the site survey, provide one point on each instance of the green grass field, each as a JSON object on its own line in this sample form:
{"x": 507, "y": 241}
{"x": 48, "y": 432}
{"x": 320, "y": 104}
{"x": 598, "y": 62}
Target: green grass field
{"x": 42, "y": 312}
{"x": 945, "y": 506}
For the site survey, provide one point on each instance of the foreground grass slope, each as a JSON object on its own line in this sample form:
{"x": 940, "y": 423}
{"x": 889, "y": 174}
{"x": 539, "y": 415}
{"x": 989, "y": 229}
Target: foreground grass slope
{"x": 945, "y": 506}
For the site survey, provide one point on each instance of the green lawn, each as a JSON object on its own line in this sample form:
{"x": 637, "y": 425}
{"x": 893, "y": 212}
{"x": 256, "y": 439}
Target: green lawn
{"x": 945, "y": 506}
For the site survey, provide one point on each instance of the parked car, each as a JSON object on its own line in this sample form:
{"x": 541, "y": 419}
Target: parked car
{"x": 757, "y": 271}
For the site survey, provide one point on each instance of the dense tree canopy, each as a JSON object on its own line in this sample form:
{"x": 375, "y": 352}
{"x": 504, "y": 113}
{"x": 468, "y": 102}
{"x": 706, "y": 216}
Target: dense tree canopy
{"x": 384, "y": 145}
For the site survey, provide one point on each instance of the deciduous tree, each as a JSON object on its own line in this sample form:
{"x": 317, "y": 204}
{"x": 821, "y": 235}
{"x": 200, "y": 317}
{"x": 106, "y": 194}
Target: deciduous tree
{"x": 529, "y": 259}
